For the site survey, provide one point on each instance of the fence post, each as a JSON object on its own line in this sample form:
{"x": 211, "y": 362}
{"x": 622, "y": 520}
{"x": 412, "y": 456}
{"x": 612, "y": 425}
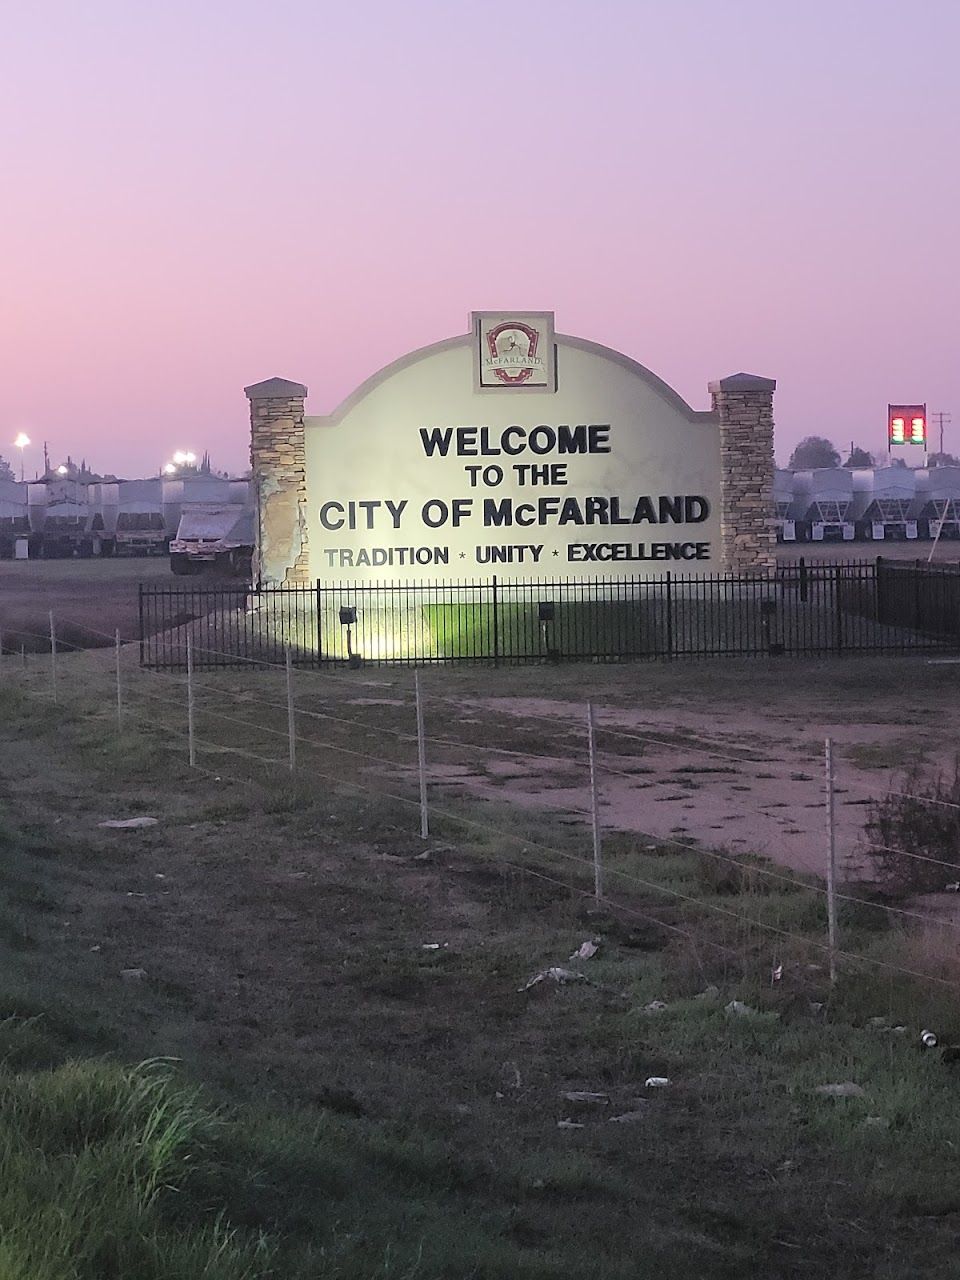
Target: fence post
{"x": 496, "y": 625}
{"x": 140, "y": 616}
{"x": 669, "y": 586}
{"x": 119, "y": 689}
{"x": 838, "y": 604}
{"x": 595, "y": 807}
{"x": 291, "y": 713}
{"x": 53, "y": 657}
{"x": 190, "y": 743}
{"x": 831, "y": 862}
{"x": 421, "y": 760}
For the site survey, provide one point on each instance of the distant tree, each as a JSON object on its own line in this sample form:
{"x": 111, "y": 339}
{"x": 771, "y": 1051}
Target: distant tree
{"x": 6, "y": 471}
{"x": 898, "y": 462}
{"x": 814, "y": 451}
{"x": 859, "y": 457}
{"x": 942, "y": 460}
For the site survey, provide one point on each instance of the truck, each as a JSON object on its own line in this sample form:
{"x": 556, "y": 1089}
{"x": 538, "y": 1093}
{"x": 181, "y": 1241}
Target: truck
{"x": 213, "y": 538}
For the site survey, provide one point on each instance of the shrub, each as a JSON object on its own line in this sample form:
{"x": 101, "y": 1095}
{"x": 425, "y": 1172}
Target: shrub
{"x": 914, "y": 830}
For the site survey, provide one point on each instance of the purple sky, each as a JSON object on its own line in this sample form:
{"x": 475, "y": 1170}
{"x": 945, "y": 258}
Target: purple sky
{"x": 203, "y": 193}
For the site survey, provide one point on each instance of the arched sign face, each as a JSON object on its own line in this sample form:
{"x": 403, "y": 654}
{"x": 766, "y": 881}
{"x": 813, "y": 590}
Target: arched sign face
{"x": 511, "y": 452}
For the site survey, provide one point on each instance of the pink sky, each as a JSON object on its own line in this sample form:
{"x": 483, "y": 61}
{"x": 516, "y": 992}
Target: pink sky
{"x": 199, "y": 195}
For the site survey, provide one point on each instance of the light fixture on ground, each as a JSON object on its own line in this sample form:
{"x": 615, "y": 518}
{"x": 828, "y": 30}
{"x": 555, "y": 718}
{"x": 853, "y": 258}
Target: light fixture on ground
{"x": 546, "y": 613}
{"x": 348, "y": 618}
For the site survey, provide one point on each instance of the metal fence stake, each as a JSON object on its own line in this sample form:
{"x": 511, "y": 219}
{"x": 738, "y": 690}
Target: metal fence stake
{"x": 421, "y": 760}
{"x": 291, "y": 713}
{"x": 119, "y": 690}
{"x": 190, "y": 741}
{"x": 595, "y": 807}
{"x": 831, "y": 862}
{"x": 53, "y": 657}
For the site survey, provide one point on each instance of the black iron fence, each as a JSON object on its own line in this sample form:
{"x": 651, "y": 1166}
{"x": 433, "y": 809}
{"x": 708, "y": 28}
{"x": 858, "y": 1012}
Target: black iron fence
{"x": 801, "y": 610}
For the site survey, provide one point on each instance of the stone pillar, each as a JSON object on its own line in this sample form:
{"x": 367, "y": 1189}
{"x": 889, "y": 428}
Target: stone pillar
{"x": 278, "y": 460}
{"x": 744, "y": 404}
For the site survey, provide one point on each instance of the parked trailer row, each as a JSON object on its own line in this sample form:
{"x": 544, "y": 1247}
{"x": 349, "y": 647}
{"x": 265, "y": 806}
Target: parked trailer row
{"x": 57, "y": 517}
{"x": 869, "y": 504}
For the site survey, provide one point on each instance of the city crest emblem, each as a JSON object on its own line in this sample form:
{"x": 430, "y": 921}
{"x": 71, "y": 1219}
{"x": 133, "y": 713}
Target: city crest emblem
{"x": 511, "y": 354}
{"x": 514, "y": 350}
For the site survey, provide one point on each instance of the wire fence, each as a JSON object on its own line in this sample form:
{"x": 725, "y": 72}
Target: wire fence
{"x": 424, "y": 757}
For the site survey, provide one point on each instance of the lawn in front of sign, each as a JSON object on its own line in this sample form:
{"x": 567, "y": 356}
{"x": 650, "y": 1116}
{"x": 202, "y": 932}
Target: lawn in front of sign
{"x": 379, "y": 1096}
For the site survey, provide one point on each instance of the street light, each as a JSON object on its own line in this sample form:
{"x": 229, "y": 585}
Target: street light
{"x": 21, "y": 443}
{"x": 184, "y": 458}
{"x": 169, "y": 469}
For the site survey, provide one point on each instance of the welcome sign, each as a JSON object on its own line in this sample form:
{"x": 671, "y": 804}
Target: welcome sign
{"x": 516, "y": 452}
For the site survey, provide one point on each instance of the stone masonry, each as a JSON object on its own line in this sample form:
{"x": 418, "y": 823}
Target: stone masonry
{"x": 278, "y": 459}
{"x": 744, "y": 404}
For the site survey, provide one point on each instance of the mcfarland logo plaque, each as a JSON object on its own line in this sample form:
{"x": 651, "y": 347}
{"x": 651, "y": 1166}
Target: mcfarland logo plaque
{"x": 515, "y": 350}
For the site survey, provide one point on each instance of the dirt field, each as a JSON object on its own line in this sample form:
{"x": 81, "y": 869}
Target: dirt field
{"x": 85, "y": 594}
{"x": 947, "y": 551}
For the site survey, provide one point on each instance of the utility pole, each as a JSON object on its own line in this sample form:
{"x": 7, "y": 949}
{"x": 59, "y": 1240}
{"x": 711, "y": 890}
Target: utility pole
{"x": 942, "y": 419}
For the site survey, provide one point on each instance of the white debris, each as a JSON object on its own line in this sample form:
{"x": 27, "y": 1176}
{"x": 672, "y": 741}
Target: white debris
{"x": 845, "y": 1090}
{"x": 655, "y": 1006}
{"x": 876, "y": 1122}
{"x": 953, "y": 887}
{"x": 569, "y": 1124}
{"x": 586, "y": 951}
{"x": 928, "y": 1039}
{"x": 128, "y": 824}
{"x": 580, "y": 1095}
{"x": 133, "y": 975}
{"x": 553, "y": 974}
{"x": 628, "y": 1117}
{"x": 777, "y": 973}
{"x": 740, "y": 1009}
{"x": 657, "y": 1082}
{"x": 708, "y": 993}
{"x": 433, "y": 946}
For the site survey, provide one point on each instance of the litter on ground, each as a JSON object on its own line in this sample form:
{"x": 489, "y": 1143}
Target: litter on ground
{"x": 128, "y": 824}
{"x": 845, "y": 1090}
{"x": 740, "y": 1009}
{"x": 586, "y": 951}
{"x": 553, "y": 974}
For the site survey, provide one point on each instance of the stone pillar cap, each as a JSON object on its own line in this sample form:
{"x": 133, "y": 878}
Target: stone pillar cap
{"x": 743, "y": 382}
{"x": 276, "y": 389}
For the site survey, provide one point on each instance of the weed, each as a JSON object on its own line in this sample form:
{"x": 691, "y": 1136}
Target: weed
{"x": 913, "y": 833}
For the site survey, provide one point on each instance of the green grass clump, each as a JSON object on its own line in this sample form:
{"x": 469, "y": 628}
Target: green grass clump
{"x": 93, "y": 1159}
